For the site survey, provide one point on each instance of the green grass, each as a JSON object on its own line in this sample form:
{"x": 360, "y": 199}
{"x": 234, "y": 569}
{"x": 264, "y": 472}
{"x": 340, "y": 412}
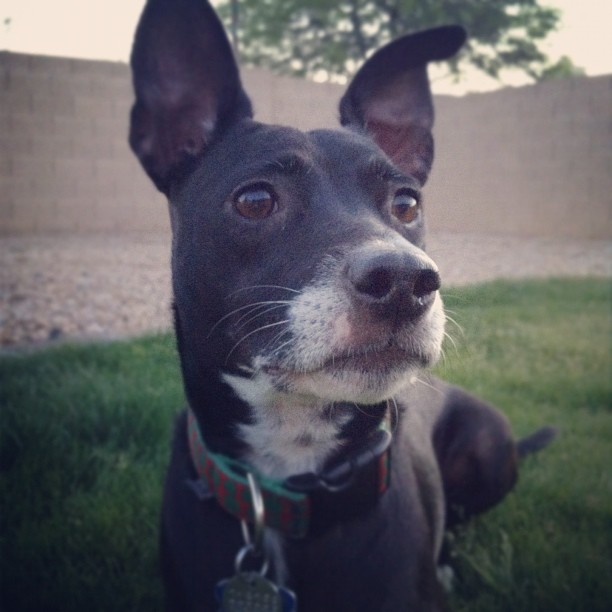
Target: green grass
{"x": 85, "y": 436}
{"x": 541, "y": 352}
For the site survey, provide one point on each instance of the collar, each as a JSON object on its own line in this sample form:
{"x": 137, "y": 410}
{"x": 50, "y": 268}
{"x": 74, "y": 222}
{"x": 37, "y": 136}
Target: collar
{"x": 304, "y": 504}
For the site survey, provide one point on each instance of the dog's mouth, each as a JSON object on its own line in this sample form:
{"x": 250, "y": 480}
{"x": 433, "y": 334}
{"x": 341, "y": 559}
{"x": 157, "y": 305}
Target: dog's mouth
{"x": 379, "y": 359}
{"x": 368, "y": 374}
{"x": 368, "y": 359}
{"x": 333, "y": 349}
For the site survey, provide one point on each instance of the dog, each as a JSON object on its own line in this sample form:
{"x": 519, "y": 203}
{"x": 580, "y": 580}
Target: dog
{"x": 317, "y": 463}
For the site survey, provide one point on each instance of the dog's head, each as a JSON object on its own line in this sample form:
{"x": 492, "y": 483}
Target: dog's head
{"x": 297, "y": 257}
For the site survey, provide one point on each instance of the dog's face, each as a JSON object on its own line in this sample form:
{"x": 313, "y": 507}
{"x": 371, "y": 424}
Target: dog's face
{"x": 267, "y": 264}
{"x": 297, "y": 257}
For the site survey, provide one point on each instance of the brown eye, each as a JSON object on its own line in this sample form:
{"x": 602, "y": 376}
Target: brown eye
{"x": 405, "y": 207}
{"x": 256, "y": 202}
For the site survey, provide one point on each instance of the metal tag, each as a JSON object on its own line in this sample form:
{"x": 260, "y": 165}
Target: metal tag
{"x": 249, "y": 592}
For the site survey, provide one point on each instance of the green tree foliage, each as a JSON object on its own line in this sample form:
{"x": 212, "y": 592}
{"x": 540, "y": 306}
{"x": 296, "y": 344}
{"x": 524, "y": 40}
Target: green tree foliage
{"x": 304, "y": 37}
{"x": 561, "y": 69}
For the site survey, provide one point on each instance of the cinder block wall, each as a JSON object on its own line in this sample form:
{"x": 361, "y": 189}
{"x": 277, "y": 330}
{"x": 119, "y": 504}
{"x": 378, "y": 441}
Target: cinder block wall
{"x": 64, "y": 164}
{"x": 535, "y": 160}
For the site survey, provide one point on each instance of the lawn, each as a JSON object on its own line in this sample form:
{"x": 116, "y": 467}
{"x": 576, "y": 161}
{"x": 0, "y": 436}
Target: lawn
{"x": 85, "y": 431}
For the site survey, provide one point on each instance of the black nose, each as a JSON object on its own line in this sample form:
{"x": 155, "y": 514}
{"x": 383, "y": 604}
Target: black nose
{"x": 393, "y": 281}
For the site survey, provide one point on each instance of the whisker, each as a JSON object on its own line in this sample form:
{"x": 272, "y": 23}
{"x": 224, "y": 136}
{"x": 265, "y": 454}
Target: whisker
{"x": 277, "y": 338}
{"x": 443, "y": 356}
{"x": 253, "y": 287}
{"x": 395, "y": 420}
{"x": 364, "y": 410}
{"x": 358, "y": 408}
{"x": 455, "y": 323}
{"x": 263, "y": 311}
{"x": 429, "y": 385}
{"x": 236, "y": 310}
{"x": 455, "y": 296}
{"x": 259, "y": 329}
{"x": 452, "y": 341}
{"x": 284, "y": 344}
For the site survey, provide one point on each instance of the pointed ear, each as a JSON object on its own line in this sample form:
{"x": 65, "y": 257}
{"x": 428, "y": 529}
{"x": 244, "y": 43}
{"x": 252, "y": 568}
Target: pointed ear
{"x": 186, "y": 83}
{"x": 390, "y": 98}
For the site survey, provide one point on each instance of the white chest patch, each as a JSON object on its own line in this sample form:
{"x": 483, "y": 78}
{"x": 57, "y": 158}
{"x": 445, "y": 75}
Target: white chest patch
{"x": 289, "y": 434}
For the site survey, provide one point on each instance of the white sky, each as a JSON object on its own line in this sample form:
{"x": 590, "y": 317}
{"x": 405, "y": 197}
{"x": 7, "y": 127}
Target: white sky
{"x": 103, "y": 29}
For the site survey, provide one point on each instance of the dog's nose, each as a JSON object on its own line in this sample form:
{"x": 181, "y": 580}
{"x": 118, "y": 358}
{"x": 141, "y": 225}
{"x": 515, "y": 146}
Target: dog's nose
{"x": 393, "y": 281}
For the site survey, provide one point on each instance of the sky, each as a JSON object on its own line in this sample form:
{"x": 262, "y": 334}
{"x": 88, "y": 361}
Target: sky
{"x": 103, "y": 29}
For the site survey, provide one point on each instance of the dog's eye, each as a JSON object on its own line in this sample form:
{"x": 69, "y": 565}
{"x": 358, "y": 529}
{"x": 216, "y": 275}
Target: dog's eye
{"x": 405, "y": 207}
{"x": 256, "y": 202}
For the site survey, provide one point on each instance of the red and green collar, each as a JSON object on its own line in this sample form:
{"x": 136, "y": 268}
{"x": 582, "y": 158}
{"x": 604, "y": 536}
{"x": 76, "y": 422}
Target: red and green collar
{"x": 303, "y": 504}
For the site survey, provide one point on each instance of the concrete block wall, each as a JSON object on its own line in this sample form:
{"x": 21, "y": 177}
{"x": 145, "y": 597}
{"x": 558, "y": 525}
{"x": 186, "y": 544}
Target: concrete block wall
{"x": 65, "y": 165}
{"x": 295, "y": 102}
{"x": 535, "y": 160}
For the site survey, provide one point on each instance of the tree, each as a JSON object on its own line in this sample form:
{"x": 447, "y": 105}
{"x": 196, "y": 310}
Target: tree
{"x": 562, "y": 69}
{"x": 331, "y": 38}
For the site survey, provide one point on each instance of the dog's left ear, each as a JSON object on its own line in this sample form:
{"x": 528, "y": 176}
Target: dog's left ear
{"x": 187, "y": 87}
{"x": 390, "y": 98}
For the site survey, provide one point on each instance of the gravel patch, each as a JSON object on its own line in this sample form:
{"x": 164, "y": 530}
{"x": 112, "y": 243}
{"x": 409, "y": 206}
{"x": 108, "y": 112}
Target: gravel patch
{"x": 104, "y": 287}
{"x": 57, "y": 288}
{"x": 472, "y": 258}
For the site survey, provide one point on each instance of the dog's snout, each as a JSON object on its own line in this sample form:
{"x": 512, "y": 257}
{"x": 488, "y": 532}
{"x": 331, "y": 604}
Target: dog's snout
{"x": 393, "y": 280}
{"x": 373, "y": 278}
{"x": 427, "y": 282}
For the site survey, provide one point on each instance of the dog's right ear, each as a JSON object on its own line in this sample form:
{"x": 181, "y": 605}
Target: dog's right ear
{"x": 389, "y": 97}
{"x": 187, "y": 86}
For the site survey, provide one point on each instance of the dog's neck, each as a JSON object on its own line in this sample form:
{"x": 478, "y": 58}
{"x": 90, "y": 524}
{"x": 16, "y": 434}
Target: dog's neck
{"x": 287, "y": 434}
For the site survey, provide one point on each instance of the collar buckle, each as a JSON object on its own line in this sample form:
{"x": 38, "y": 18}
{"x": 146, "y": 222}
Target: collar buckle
{"x": 341, "y": 475}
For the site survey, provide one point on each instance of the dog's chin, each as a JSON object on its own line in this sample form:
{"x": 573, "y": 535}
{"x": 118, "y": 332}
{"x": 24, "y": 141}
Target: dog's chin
{"x": 344, "y": 385}
{"x": 368, "y": 378}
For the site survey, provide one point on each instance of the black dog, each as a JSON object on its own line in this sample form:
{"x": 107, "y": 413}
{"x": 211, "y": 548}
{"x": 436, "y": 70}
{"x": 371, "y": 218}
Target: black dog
{"x": 305, "y": 312}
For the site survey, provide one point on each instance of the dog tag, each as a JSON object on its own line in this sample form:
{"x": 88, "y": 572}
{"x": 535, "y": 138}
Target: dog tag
{"x": 289, "y": 600}
{"x": 249, "y": 592}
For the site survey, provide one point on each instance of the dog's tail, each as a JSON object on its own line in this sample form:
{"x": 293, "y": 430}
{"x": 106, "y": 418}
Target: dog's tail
{"x": 536, "y": 441}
